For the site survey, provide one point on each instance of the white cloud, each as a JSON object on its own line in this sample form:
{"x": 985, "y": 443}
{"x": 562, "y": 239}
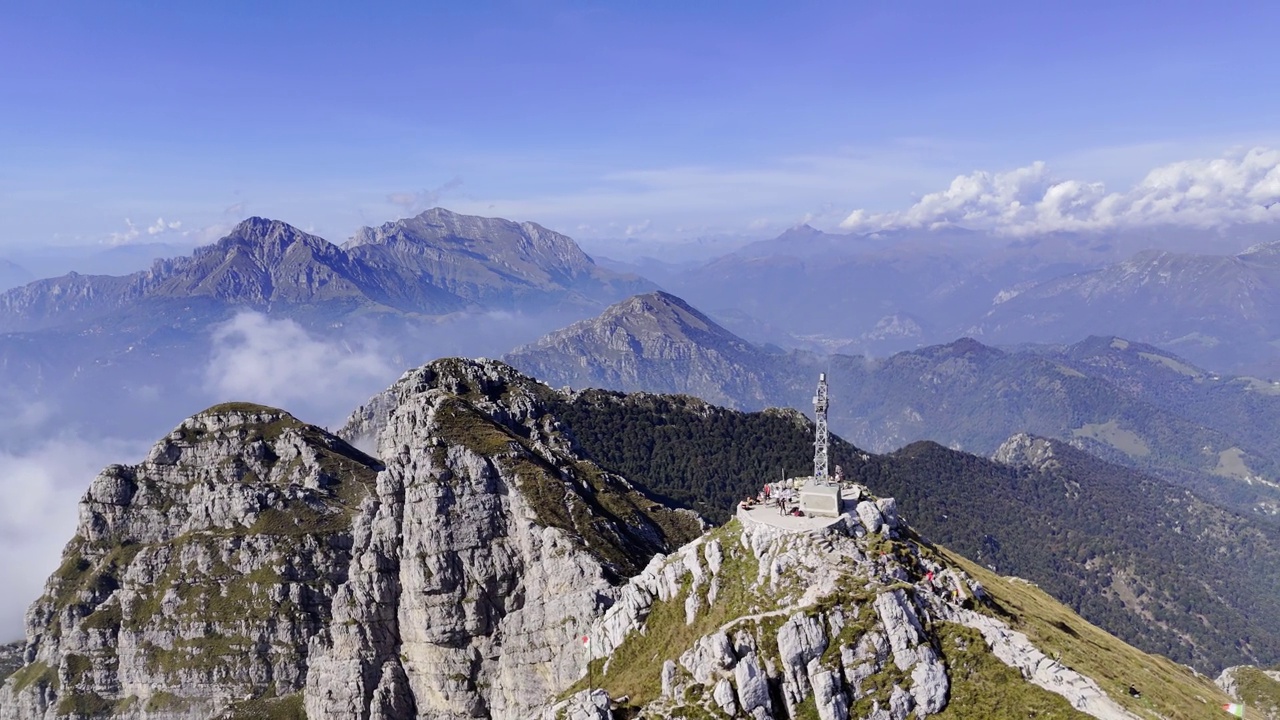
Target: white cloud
{"x": 1241, "y": 187}
{"x": 161, "y": 226}
{"x": 42, "y": 489}
{"x": 131, "y": 231}
{"x": 277, "y": 362}
{"x": 207, "y": 234}
{"x": 125, "y": 237}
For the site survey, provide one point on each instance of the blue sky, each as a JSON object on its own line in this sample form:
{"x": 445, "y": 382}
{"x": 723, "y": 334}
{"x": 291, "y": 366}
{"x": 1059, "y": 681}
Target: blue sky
{"x": 658, "y": 119}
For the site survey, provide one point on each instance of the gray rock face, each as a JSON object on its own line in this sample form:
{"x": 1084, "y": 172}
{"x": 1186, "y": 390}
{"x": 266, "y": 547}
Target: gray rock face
{"x": 800, "y": 640}
{"x": 251, "y": 554}
{"x": 200, "y": 576}
{"x": 709, "y": 656}
{"x": 585, "y": 705}
{"x": 870, "y": 516}
{"x": 900, "y": 703}
{"x": 929, "y": 685}
{"x": 478, "y": 594}
{"x": 902, "y": 626}
{"x": 724, "y": 697}
{"x": 830, "y": 699}
{"x": 862, "y": 661}
{"x": 668, "y": 678}
{"x": 753, "y": 687}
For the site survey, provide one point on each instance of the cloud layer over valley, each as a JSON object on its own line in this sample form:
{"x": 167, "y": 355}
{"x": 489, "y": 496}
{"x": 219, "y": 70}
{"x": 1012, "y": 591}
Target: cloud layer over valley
{"x": 277, "y": 362}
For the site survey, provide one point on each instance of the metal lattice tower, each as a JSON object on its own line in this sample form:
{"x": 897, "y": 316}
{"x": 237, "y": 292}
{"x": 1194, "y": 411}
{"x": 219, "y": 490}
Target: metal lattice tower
{"x": 821, "y": 438}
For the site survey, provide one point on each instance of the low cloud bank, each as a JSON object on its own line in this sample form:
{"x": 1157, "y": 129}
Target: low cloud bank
{"x": 1241, "y": 187}
{"x": 42, "y": 489}
{"x": 278, "y": 362}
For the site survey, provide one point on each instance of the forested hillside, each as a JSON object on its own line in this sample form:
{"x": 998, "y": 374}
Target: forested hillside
{"x": 1146, "y": 560}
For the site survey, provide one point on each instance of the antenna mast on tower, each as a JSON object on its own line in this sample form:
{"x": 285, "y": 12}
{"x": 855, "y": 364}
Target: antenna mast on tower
{"x": 820, "y": 440}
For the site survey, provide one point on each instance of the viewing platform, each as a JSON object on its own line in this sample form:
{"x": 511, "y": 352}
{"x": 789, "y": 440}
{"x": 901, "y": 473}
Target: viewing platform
{"x": 823, "y": 505}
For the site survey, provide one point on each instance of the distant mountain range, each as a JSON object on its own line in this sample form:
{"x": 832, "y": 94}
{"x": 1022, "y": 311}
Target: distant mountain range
{"x": 1220, "y": 310}
{"x": 1128, "y": 402}
{"x": 442, "y": 283}
{"x": 433, "y": 264}
{"x": 85, "y": 344}
{"x": 885, "y": 292}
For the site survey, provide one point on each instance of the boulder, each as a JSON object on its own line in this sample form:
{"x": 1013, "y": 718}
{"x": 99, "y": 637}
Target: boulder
{"x": 753, "y": 687}
{"x": 870, "y": 516}
{"x": 828, "y": 695}
{"x": 724, "y": 697}
{"x": 709, "y": 656}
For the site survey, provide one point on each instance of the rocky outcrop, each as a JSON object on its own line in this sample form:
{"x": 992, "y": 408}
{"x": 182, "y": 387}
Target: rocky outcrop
{"x": 486, "y": 551}
{"x": 252, "y": 556}
{"x": 1023, "y": 450}
{"x": 11, "y": 658}
{"x": 1256, "y": 688}
{"x": 833, "y": 621}
{"x": 198, "y": 577}
{"x": 1016, "y": 650}
{"x": 585, "y": 705}
{"x": 255, "y": 565}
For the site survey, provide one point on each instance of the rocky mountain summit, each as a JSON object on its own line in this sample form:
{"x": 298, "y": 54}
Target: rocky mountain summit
{"x": 654, "y": 341}
{"x": 436, "y": 263}
{"x": 253, "y": 556}
{"x": 256, "y": 566}
{"x": 199, "y": 576}
{"x": 490, "y": 261}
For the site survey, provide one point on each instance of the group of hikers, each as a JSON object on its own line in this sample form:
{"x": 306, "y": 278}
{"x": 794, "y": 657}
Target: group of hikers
{"x": 775, "y": 496}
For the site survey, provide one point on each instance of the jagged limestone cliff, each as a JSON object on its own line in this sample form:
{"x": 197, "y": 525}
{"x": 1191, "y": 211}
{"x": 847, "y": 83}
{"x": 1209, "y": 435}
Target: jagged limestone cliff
{"x": 199, "y": 576}
{"x": 489, "y": 547}
{"x": 254, "y": 561}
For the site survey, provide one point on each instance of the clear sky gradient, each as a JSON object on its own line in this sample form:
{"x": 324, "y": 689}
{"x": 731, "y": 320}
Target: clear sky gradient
{"x": 660, "y": 119}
